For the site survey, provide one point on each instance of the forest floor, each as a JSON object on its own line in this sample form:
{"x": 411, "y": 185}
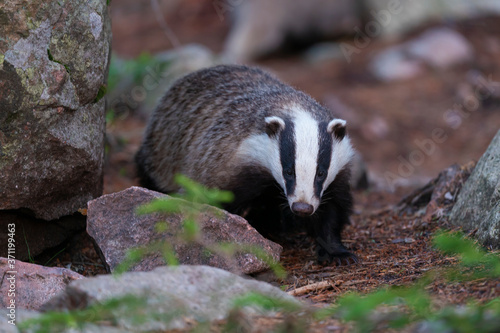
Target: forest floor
{"x": 386, "y": 120}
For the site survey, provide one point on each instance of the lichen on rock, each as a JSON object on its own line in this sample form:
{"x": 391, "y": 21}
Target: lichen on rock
{"x": 478, "y": 205}
{"x": 53, "y": 62}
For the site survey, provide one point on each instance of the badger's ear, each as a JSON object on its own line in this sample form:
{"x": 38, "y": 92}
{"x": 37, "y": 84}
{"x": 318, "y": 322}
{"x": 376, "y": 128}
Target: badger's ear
{"x": 336, "y": 127}
{"x": 274, "y": 125}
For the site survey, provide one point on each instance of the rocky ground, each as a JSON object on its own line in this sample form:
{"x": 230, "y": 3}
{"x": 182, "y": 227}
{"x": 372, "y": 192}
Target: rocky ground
{"x": 386, "y": 121}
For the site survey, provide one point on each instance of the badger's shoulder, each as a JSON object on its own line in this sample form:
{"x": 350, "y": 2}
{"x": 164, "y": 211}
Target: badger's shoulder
{"x": 245, "y": 89}
{"x": 229, "y": 76}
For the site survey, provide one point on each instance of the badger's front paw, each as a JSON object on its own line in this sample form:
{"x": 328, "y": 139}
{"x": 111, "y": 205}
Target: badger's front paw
{"x": 337, "y": 254}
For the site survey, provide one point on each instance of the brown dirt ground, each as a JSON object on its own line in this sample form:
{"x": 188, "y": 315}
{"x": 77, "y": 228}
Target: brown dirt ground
{"x": 385, "y": 120}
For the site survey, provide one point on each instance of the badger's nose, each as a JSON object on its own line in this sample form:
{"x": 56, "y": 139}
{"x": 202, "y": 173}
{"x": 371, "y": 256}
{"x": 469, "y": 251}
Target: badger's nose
{"x": 302, "y": 209}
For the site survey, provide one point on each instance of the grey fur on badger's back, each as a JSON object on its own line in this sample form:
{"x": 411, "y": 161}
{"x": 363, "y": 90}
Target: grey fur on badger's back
{"x": 224, "y": 104}
{"x": 239, "y": 128}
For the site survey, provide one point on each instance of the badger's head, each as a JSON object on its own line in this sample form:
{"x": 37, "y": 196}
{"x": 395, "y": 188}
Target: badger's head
{"x": 305, "y": 156}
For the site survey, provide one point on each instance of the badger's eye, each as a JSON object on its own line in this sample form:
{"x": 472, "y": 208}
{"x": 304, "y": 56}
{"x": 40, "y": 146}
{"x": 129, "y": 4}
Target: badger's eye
{"x": 321, "y": 174}
{"x": 289, "y": 172}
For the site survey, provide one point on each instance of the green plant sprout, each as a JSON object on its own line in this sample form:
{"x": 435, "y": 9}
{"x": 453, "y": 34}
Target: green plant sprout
{"x": 30, "y": 258}
{"x": 100, "y": 93}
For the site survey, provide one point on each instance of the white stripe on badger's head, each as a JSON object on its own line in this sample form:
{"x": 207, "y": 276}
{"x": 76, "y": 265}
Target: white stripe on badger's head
{"x": 311, "y": 154}
{"x": 300, "y": 171}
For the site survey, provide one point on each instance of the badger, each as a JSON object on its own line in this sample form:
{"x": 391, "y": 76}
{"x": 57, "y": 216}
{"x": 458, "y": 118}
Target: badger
{"x": 283, "y": 155}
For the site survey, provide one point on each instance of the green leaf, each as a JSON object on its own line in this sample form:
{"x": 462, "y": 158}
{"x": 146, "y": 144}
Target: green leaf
{"x": 100, "y": 93}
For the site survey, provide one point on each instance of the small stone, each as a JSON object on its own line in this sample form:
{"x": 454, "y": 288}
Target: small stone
{"x": 403, "y": 240}
{"x": 322, "y": 52}
{"x": 441, "y": 48}
{"x": 375, "y": 129}
{"x": 393, "y": 65}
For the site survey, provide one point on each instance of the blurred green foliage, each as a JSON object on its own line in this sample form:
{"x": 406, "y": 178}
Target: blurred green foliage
{"x": 135, "y": 69}
{"x": 126, "y": 74}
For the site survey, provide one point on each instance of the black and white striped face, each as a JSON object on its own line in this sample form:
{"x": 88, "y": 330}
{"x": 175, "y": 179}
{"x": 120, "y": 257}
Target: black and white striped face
{"x": 309, "y": 154}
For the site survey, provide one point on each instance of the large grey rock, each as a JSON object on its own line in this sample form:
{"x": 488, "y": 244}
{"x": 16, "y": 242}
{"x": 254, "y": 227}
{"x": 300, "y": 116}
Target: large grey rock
{"x": 478, "y": 204}
{"x": 180, "y": 294}
{"x": 53, "y": 63}
{"x": 33, "y": 285}
{"x": 113, "y": 223}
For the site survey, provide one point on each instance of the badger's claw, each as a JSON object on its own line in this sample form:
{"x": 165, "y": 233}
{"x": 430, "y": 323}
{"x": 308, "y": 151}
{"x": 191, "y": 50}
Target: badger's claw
{"x": 341, "y": 256}
{"x": 348, "y": 259}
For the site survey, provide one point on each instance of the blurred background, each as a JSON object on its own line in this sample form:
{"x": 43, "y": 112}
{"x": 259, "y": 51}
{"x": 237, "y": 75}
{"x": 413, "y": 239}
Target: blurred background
{"x": 417, "y": 81}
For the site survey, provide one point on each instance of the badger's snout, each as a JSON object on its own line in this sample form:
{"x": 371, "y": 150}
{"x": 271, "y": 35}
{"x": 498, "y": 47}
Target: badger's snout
{"x": 302, "y": 209}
